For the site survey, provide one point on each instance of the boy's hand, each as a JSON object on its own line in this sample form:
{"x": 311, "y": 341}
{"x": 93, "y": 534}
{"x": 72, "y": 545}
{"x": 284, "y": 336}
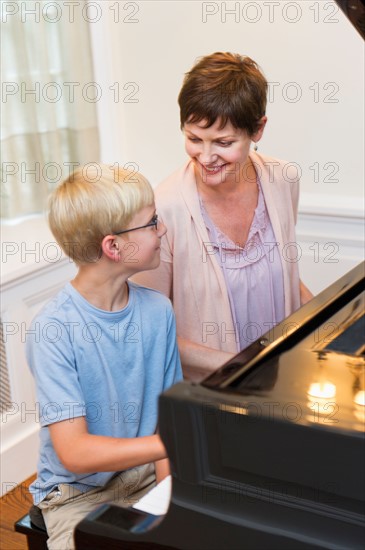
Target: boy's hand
{"x": 162, "y": 469}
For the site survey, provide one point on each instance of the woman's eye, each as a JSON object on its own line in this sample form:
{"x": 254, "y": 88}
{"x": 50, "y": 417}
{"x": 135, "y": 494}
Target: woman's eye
{"x": 194, "y": 140}
{"x": 225, "y": 143}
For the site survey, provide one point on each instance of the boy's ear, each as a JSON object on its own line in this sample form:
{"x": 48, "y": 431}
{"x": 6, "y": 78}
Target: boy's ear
{"x": 110, "y": 248}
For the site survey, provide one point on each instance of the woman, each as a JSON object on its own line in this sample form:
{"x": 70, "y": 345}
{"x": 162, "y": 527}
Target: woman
{"x": 228, "y": 261}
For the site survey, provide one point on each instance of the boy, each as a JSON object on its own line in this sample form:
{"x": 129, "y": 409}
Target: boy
{"x": 107, "y": 349}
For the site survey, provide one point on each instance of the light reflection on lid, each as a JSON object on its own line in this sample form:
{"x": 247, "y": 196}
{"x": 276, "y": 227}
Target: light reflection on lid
{"x": 359, "y": 398}
{"x": 323, "y": 390}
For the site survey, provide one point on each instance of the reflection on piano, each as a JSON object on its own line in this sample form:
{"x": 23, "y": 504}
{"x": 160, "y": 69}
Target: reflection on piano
{"x": 267, "y": 452}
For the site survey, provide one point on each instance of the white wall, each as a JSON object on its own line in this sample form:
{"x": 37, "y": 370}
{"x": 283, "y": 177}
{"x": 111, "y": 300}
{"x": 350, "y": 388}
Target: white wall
{"x": 313, "y": 59}
{"x": 323, "y": 60}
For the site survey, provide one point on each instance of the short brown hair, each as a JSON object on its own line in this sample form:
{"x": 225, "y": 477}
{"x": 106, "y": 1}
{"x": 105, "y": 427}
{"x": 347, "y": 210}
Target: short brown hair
{"x": 224, "y": 86}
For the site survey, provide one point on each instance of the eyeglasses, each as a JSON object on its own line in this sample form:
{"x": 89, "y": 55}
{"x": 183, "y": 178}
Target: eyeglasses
{"x": 153, "y": 223}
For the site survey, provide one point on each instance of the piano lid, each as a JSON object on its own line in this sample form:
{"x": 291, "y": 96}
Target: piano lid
{"x": 313, "y": 360}
{"x": 308, "y": 322}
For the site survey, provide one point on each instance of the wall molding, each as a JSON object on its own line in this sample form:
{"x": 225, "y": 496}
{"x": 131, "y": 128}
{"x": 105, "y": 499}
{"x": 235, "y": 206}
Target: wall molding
{"x": 332, "y": 206}
{"x": 331, "y": 238}
{"x": 26, "y": 287}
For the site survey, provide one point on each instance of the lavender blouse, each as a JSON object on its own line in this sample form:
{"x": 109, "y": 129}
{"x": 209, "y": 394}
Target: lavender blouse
{"x": 253, "y": 275}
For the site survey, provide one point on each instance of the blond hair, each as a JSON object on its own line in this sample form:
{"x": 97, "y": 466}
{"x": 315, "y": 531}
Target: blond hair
{"x": 95, "y": 201}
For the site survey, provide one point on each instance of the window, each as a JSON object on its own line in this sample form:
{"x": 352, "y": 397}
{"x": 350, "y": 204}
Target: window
{"x": 49, "y": 122}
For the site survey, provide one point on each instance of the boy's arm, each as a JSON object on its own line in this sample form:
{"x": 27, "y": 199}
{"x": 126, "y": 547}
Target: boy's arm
{"x": 81, "y": 452}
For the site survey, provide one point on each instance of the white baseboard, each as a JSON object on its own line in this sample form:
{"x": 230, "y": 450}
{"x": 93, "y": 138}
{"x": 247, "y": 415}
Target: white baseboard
{"x": 331, "y": 238}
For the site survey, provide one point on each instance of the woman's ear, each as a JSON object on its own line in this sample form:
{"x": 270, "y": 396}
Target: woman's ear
{"x": 261, "y": 127}
{"x": 110, "y": 248}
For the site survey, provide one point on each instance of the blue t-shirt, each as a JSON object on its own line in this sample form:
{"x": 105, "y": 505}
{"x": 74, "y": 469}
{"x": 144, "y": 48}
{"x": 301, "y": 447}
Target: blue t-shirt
{"x": 109, "y": 367}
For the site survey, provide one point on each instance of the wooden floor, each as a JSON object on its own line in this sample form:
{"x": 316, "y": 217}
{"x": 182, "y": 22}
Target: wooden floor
{"x": 14, "y": 505}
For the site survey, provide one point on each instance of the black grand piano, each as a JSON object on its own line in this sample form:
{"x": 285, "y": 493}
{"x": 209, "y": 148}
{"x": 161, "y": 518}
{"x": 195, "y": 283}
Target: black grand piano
{"x": 269, "y": 451}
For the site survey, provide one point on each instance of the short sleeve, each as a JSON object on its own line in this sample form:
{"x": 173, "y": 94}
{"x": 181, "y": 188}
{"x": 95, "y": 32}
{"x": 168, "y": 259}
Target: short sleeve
{"x": 51, "y": 359}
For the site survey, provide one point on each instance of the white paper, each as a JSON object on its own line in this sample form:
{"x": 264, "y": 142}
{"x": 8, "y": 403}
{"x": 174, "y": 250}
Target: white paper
{"x": 157, "y": 501}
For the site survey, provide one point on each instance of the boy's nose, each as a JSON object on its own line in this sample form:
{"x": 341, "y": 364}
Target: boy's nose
{"x": 161, "y": 229}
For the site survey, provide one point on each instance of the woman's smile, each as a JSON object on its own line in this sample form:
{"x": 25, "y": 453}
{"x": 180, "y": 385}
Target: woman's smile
{"x": 219, "y": 154}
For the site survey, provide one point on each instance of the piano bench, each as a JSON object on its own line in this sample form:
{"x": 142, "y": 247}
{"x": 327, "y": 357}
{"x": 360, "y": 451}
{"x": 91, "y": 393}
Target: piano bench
{"x": 36, "y": 537}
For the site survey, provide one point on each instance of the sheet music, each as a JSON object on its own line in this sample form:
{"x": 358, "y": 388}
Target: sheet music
{"x": 157, "y": 501}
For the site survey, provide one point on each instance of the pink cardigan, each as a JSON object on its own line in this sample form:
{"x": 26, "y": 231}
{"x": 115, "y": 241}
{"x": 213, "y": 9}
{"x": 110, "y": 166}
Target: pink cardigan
{"x": 190, "y": 275}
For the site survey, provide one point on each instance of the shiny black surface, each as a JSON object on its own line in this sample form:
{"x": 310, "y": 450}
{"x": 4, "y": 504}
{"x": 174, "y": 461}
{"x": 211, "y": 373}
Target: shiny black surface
{"x": 313, "y": 320}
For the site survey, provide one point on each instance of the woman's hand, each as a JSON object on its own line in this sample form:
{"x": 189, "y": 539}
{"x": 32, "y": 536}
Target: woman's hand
{"x": 198, "y": 361}
{"x": 305, "y": 294}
